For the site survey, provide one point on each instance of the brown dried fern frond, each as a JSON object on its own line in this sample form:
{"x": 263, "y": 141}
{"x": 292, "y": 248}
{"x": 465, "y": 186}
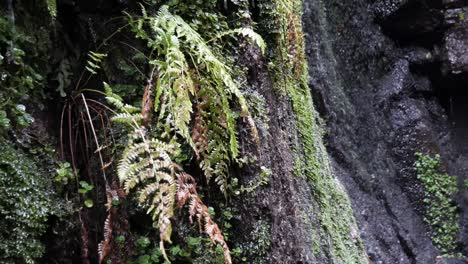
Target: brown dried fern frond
{"x": 199, "y": 132}
{"x": 104, "y": 247}
{"x": 187, "y": 191}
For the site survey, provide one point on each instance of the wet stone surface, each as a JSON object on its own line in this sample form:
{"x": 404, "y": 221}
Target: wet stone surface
{"x": 384, "y": 79}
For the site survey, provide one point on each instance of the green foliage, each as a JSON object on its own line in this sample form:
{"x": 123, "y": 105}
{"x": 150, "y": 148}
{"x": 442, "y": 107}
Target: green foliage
{"x": 143, "y": 242}
{"x": 147, "y": 166}
{"x": 248, "y": 33}
{"x": 52, "y": 8}
{"x": 94, "y": 61}
{"x": 23, "y": 119}
{"x": 264, "y": 177}
{"x": 198, "y": 250}
{"x": 18, "y": 78}
{"x": 64, "y": 173}
{"x": 185, "y": 74}
{"x": 173, "y": 41}
{"x": 147, "y": 161}
{"x": 441, "y": 210}
{"x": 4, "y": 121}
{"x": 259, "y": 245}
{"x": 26, "y": 201}
{"x": 288, "y": 66}
{"x": 85, "y": 187}
{"x": 88, "y": 203}
{"x": 201, "y": 15}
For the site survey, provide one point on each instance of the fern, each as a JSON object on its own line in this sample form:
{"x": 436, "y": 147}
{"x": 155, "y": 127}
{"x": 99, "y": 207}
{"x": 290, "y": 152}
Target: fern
{"x": 186, "y": 75}
{"x": 175, "y": 41}
{"x": 146, "y": 166}
{"x": 248, "y": 33}
{"x": 186, "y": 190}
{"x": 104, "y": 246}
{"x": 94, "y": 61}
{"x": 147, "y": 162}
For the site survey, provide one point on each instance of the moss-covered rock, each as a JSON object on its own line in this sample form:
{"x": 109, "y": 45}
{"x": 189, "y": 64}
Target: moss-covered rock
{"x": 336, "y": 234}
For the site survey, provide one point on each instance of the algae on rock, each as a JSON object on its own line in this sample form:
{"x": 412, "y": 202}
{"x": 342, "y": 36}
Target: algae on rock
{"x": 338, "y": 230}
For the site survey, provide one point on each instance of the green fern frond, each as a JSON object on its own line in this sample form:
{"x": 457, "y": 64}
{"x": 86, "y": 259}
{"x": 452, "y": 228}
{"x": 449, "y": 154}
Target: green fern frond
{"x": 113, "y": 99}
{"x": 176, "y": 80}
{"x": 130, "y": 108}
{"x": 199, "y": 49}
{"x": 147, "y": 191}
{"x": 248, "y": 33}
{"x": 52, "y": 8}
{"x": 127, "y": 118}
{"x": 149, "y": 164}
{"x": 94, "y": 61}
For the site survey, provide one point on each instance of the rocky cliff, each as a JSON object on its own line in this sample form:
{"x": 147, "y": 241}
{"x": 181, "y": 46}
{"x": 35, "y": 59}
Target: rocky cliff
{"x": 389, "y": 78}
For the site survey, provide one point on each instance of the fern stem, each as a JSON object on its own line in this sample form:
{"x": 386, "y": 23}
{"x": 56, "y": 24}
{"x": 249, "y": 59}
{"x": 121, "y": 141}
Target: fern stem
{"x": 95, "y": 138}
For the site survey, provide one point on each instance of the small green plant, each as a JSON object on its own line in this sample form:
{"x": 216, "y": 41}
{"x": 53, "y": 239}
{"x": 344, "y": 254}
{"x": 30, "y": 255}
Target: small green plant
{"x": 146, "y": 253}
{"x": 4, "y": 121}
{"x": 149, "y": 254}
{"x": 22, "y": 117}
{"x": 64, "y": 173}
{"x": 441, "y": 210}
{"x": 142, "y": 242}
{"x": 52, "y": 8}
{"x": 84, "y": 189}
{"x": 120, "y": 240}
{"x": 264, "y": 177}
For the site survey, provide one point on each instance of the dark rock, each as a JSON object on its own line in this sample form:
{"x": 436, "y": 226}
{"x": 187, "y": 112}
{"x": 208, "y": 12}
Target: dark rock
{"x": 385, "y": 8}
{"x": 456, "y": 49}
{"x": 456, "y": 16}
{"x": 452, "y": 3}
{"x": 382, "y": 92}
{"x": 419, "y": 55}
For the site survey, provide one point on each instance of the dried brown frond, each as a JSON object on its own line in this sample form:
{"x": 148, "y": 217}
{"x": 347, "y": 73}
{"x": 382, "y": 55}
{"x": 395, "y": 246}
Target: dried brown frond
{"x": 253, "y": 129}
{"x": 147, "y": 104}
{"x": 186, "y": 190}
{"x": 104, "y": 247}
{"x": 199, "y": 132}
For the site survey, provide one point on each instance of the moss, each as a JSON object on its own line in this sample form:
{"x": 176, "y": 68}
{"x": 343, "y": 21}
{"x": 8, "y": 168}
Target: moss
{"x": 256, "y": 250}
{"x": 441, "y": 211}
{"x": 26, "y": 201}
{"x": 289, "y": 69}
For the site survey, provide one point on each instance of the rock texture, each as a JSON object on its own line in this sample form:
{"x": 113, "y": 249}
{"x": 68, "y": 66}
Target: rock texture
{"x": 389, "y": 79}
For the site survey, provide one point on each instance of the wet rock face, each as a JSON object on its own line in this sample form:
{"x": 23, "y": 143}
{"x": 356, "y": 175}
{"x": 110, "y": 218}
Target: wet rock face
{"x": 456, "y": 44}
{"x": 389, "y": 78}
